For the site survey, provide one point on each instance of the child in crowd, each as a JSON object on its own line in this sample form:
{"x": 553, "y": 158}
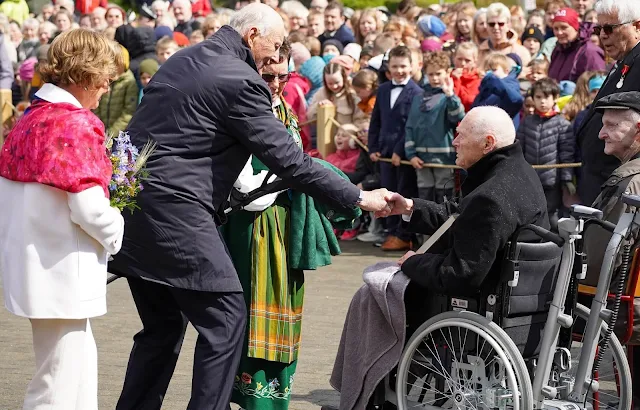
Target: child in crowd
{"x": 147, "y": 70}
{"x": 584, "y": 94}
{"x": 165, "y": 48}
{"x": 430, "y": 127}
{"x": 336, "y": 90}
{"x": 532, "y": 40}
{"x": 332, "y": 48}
{"x": 346, "y": 154}
{"x": 466, "y": 78}
{"x": 500, "y": 86}
{"x": 547, "y": 138}
{"x": 538, "y": 69}
{"x": 196, "y": 37}
{"x": 365, "y": 84}
{"x": 386, "y": 138}
{"x": 529, "y": 106}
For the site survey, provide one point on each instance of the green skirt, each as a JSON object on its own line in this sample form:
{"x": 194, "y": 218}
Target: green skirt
{"x": 260, "y": 384}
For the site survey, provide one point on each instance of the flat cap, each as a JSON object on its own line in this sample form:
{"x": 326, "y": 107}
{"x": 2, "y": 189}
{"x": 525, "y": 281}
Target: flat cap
{"x": 629, "y": 100}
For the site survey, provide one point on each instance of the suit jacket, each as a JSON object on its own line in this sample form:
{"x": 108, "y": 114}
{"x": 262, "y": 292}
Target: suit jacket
{"x": 207, "y": 109}
{"x": 596, "y": 165}
{"x": 343, "y": 35}
{"x": 386, "y": 129}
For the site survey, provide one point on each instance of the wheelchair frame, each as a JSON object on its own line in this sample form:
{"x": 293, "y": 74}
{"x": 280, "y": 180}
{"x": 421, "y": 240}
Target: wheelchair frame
{"x": 569, "y": 392}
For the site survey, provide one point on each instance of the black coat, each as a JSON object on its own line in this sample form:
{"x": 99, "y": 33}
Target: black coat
{"x": 500, "y": 194}
{"x": 547, "y": 141}
{"x": 208, "y": 110}
{"x": 596, "y": 165}
{"x": 367, "y": 172}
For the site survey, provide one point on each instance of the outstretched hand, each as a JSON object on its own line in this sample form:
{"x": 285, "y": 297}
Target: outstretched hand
{"x": 397, "y": 205}
{"x": 376, "y": 201}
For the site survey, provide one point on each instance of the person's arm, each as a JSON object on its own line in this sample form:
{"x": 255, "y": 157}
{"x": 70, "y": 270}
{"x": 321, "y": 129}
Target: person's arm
{"x": 251, "y": 119}
{"x": 409, "y": 137}
{"x": 455, "y": 110}
{"x": 374, "y": 129}
{"x": 6, "y": 66}
{"x": 566, "y": 150}
{"x": 467, "y": 92}
{"x": 423, "y": 216}
{"x": 466, "y": 264}
{"x": 131, "y": 92}
{"x": 91, "y": 210}
{"x": 312, "y": 111}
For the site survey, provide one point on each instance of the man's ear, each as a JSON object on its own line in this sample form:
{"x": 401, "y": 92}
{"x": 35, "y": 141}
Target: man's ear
{"x": 251, "y": 36}
{"x": 490, "y": 142}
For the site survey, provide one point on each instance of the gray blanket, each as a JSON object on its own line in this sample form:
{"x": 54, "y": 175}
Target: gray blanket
{"x": 373, "y": 335}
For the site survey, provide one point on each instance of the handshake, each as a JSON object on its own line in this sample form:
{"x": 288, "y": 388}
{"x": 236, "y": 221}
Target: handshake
{"x": 385, "y": 203}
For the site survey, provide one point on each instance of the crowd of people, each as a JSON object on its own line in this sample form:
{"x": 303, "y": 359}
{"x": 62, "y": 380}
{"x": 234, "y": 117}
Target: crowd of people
{"x": 401, "y": 83}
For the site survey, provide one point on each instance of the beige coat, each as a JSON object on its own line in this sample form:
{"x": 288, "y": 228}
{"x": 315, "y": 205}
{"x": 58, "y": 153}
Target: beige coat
{"x": 345, "y": 114}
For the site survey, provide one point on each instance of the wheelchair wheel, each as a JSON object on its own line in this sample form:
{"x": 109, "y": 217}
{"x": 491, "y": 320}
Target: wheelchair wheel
{"x": 461, "y": 360}
{"x": 613, "y": 376}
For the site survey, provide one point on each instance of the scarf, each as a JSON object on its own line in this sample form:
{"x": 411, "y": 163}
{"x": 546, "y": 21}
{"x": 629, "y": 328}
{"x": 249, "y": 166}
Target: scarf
{"x": 549, "y": 114}
{"x": 59, "y": 145}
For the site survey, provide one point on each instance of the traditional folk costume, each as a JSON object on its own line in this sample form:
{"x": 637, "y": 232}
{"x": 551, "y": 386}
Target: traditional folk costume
{"x": 271, "y": 242}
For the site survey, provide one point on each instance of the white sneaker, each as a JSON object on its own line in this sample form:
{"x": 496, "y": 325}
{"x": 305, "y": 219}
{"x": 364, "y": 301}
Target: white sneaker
{"x": 370, "y": 237}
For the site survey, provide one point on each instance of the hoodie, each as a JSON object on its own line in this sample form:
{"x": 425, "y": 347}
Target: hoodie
{"x": 568, "y": 62}
{"x": 467, "y": 87}
{"x": 503, "y": 93}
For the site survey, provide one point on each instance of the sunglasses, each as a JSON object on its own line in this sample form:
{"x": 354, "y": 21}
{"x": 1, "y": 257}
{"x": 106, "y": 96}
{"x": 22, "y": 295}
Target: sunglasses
{"x": 608, "y": 28}
{"x": 282, "y": 78}
{"x": 493, "y": 24}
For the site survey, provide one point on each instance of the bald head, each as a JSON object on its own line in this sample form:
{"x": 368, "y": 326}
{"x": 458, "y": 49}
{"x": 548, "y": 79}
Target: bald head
{"x": 483, "y": 130}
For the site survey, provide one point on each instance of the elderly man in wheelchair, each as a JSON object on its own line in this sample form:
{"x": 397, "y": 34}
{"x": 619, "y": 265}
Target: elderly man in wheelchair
{"x": 491, "y": 314}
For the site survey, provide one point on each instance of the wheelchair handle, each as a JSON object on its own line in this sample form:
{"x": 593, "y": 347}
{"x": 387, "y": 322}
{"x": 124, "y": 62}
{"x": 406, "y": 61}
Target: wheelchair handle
{"x": 543, "y": 233}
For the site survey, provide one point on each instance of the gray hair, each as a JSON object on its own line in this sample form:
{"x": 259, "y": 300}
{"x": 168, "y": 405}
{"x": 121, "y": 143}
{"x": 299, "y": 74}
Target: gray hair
{"x": 498, "y": 10}
{"x": 31, "y": 23}
{"x": 160, "y": 4}
{"x": 48, "y": 27}
{"x": 256, "y": 15}
{"x": 293, "y": 8}
{"x": 494, "y": 121}
{"x": 627, "y": 10}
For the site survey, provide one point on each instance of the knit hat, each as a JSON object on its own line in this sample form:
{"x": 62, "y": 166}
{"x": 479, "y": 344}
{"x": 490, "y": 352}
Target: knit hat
{"x": 430, "y": 45}
{"x": 534, "y": 33}
{"x": 299, "y": 53}
{"x": 312, "y": 69}
{"x": 431, "y": 26}
{"x": 596, "y": 83}
{"x": 344, "y": 61}
{"x": 163, "y": 31}
{"x": 181, "y": 39}
{"x": 27, "y": 69}
{"x": 567, "y": 88}
{"x": 333, "y": 42}
{"x": 149, "y": 66}
{"x": 353, "y": 50}
{"x": 569, "y": 16}
{"x": 125, "y": 57}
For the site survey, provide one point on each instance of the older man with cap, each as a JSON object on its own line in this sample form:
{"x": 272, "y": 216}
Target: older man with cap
{"x": 207, "y": 109}
{"x": 619, "y": 31}
{"x": 620, "y": 133}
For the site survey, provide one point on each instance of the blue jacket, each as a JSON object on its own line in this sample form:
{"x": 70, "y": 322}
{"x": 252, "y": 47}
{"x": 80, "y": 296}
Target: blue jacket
{"x": 343, "y": 35}
{"x": 387, "y": 126}
{"x": 432, "y": 121}
{"x": 503, "y": 93}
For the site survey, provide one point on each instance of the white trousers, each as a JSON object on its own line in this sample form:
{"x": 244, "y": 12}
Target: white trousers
{"x": 66, "y": 375}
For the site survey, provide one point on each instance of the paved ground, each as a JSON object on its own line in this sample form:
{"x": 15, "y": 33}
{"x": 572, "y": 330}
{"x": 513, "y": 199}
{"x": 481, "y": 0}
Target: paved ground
{"x": 328, "y": 293}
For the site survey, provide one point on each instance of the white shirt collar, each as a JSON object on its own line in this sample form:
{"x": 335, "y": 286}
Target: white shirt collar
{"x": 54, "y": 94}
{"x": 405, "y": 82}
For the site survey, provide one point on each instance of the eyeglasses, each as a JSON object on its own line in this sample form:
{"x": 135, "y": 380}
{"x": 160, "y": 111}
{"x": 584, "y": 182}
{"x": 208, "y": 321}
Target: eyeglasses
{"x": 608, "y": 28}
{"x": 282, "y": 78}
{"x": 499, "y": 24}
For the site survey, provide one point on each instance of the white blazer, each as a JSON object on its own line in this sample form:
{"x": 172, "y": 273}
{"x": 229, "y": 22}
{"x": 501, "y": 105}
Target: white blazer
{"x": 54, "y": 246}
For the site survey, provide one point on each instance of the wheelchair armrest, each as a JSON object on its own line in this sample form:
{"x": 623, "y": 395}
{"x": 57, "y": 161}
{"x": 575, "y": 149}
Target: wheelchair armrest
{"x": 581, "y": 211}
{"x": 540, "y": 232}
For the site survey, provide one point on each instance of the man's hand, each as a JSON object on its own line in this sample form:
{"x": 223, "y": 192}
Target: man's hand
{"x": 398, "y": 205}
{"x": 395, "y": 160}
{"x": 405, "y": 257}
{"x": 376, "y": 201}
{"x": 416, "y": 162}
{"x": 447, "y": 87}
{"x": 375, "y": 156}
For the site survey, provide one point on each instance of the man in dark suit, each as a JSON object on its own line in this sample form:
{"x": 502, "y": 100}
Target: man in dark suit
{"x": 620, "y": 38}
{"x": 386, "y": 138}
{"x": 335, "y": 27}
{"x": 207, "y": 109}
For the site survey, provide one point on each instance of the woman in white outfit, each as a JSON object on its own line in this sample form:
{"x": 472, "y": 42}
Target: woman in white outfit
{"x": 57, "y": 227}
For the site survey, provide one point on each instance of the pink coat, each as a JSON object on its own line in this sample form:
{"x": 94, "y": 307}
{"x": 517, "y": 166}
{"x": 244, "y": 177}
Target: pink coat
{"x": 345, "y": 161}
{"x": 293, "y": 94}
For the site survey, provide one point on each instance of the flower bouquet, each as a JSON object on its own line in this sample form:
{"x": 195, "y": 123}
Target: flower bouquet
{"x": 128, "y": 170}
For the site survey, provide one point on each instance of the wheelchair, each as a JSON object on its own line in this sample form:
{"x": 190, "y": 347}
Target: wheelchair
{"x": 525, "y": 342}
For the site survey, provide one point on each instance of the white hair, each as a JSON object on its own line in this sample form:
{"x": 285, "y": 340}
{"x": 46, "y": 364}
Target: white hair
{"x": 160, "y": 4}
{"x": 256, "y": 15}
{"x": 498, "y": 10}
{"x": 627, "y": 10}
{"x": 49, "y": 27}
{"x": 494, "y": 121}
{"x": 167, "y": 21}
{"x": 31, "y": 23}
{"x": 293, "y": 8}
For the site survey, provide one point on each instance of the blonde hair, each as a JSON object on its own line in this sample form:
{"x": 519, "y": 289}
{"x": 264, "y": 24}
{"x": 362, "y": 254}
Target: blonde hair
{"x": 366, "y": 13}
{"x": 495, "y": 60}
{"x": 166, "y": 42}
{"x": 498, "y": 10}
{"x": 81, "y": 57}
{"x": 211, "y": 21}
{"x": 469, "y": 10}
{"x": 468, "y": 46}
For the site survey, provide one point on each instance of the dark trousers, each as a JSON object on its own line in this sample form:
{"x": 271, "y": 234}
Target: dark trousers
{"x": 402, "y": 180}
{"x": 165, "y": 312}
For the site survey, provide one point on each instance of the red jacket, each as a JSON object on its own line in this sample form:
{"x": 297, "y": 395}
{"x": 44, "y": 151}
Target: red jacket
{"x": 345, "y": 161}
{"x": 467, "y": 88}
{"x": 293, "y": 94}
{"x": 201, "y": 8}
{"x": 87, "y": 6}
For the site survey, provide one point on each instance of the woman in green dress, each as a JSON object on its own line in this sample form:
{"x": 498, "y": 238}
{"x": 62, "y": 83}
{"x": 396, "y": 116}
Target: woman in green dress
{"x": 257, "y": 238}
